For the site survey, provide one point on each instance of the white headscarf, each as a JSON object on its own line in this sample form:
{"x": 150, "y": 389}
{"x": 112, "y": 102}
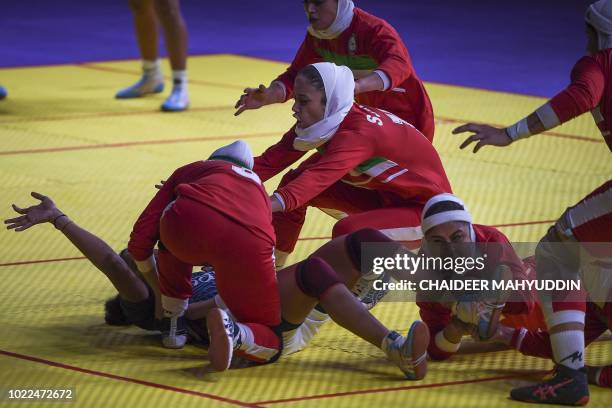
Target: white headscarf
{"x": 455, "y": 211}
{"x": 339, "y": 86}
{"x": 344, "y": 16}
{"x": 238, "y": 153}
{"x": 599, "y": 15}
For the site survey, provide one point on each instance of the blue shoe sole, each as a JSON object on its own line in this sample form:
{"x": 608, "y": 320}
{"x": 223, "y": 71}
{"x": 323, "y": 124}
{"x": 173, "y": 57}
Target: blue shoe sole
{"x": 168, "y": 108}
{"x": 133, "y": 94}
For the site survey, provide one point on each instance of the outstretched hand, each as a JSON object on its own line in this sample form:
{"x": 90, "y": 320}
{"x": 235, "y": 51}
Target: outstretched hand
{"x": 46, "y": 211}
{"x": 484, "y": 135}
{"x": 253, "y": 98}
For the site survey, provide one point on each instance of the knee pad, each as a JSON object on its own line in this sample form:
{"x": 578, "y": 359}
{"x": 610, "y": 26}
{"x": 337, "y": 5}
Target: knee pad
{"x": 354, "y": 240}
{"x": 314, "y": 277}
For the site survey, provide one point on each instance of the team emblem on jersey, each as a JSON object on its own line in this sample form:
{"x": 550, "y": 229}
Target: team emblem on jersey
{"x": 352, "y": 45}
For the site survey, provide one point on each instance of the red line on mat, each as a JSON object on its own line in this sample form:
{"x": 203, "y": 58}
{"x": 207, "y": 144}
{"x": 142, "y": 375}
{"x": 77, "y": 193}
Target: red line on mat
{"x": 78, "y": 258}
{"x": 380, "y": 390}
{"x": 109, "y": 114}
{"x": 138, "y": 143}
{"x": 134, "y": 72}
{"x": 74, "y": 258}
{"x": 127, "y": 379}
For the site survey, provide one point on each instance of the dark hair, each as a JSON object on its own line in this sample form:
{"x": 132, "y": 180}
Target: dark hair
{"x": 314, "y": 78}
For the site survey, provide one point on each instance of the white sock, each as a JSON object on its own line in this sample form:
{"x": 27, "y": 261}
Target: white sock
{"x": 174, "y": 307}
{"x": 179, "y": 79}
{"x": 568, "y": 348}
{"x": 151, "y": 68}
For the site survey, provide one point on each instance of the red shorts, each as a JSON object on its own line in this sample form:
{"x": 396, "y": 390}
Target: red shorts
{"x": 196, "y": 234}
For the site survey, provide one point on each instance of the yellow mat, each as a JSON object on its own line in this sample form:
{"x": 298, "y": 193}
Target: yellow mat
{"x": 63, "y": 134}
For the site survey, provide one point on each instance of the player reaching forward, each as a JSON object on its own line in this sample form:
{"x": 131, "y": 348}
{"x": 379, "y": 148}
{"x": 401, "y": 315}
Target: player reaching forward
{"x": 370, "y": 47}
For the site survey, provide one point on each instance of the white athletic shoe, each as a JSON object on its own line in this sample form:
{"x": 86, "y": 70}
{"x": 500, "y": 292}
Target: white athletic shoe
{"x": 178, "y": 100}
{"x": 148, "y": 84}
{"x": 410, "y": 352}
{"x": 221, "y": 335}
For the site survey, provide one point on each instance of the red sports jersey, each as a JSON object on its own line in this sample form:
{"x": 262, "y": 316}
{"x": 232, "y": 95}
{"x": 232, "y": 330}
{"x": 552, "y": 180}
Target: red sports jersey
{"x": 437, "y": 316}
{"x": 369, "y": 44}
{"x": 590, "y": 89}
{"x": 233, "y": 191}
{"x": 371, "y": 149}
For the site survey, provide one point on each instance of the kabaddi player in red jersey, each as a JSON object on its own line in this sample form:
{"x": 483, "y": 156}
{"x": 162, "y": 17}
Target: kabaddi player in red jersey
{"x": 449, "y": 233}
{"x": 589, "y": 221}
{"x": 370, "y": 47}
{"x": 369, "y": 164}
{"x": 217, "y": 212}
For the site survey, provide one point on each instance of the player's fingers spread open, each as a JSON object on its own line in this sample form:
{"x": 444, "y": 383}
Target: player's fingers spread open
{"x": 38, "y": 196}
{"x": 18, "y": 209}
{"x": 467, "y": 142}
{"x": 23, "y": 228}
{"x": 479, "y": 145}
{"x": 15, "y": 220}
{"x": 462, "y": 128}
{"x": 241, "y": 109}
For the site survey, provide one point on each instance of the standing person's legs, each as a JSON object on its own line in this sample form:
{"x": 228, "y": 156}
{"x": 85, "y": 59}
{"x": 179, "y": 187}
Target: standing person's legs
{"x": 146, "y": 26}
{"x": 175, "y": 35}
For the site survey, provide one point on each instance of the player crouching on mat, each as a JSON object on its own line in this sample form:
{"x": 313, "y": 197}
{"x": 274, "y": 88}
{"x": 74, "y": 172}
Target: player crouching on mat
{"x": 365, "y": 162}
{"x": 197, "y": 212}
{"x": 449, "y": 232}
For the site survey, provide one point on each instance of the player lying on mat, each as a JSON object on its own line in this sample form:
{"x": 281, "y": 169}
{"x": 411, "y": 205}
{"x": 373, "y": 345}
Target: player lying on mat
{"x": 527, "y": 333}
{"x": 367, "y": 163}
{"x": 370, "y": 47}
{"x": 303, "y": 286}
{"x": 135, "y": 303}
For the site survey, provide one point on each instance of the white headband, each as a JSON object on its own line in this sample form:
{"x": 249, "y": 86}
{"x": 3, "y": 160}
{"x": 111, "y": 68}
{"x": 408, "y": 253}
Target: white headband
{"x": 428, "y": 221}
